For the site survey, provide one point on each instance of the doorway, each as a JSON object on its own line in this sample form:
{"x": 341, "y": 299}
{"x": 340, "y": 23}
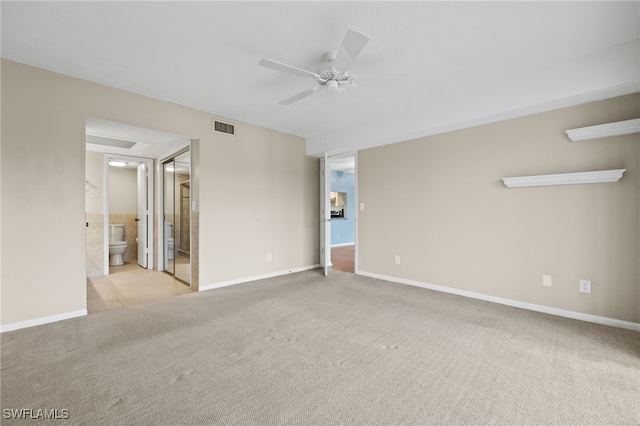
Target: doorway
{"x": 176, "y": 178}
{"x": 339, "y": 213}
{"x": 139, "y": 278}
{"x": 128, "y": 184}
{"x": 126, "y": 198}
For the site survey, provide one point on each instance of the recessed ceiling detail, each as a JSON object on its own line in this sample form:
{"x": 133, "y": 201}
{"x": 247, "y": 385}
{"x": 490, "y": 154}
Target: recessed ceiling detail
{"x": 98, "y": 140}
{"x": 123, "y": 139}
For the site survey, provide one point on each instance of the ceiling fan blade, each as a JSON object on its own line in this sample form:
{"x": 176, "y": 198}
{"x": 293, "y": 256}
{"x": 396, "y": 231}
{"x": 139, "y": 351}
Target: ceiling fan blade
{"x": 380, "y": 80}
{"x": 351, "y": 47}
{"x": 278, "y": 66}
{"x": 299, "y": 96}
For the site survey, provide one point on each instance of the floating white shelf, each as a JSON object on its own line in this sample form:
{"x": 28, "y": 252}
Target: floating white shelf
{"x": 618, "y": 128}
{"x": 602, "y": 176}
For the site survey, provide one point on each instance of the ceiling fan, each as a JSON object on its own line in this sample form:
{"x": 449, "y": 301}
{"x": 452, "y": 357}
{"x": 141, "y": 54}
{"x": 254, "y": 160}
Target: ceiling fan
{"x": 333, "y": 74}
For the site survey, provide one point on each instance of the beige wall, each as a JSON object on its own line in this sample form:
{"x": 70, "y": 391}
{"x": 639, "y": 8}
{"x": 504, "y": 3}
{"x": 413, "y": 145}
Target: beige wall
{"x": 246, "y": 181}
{"x": 123, "y": 191}
{"x": 439, "y": 203}
{"x": 261, "y": 196}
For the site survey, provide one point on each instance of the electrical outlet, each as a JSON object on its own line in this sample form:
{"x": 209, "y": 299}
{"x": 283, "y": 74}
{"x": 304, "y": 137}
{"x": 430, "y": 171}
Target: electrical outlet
{"x": 269, "y": 257}
{"x": 397, "y": 260}
{"x": 585, "y": 286}
{"x": 546, "y": 280}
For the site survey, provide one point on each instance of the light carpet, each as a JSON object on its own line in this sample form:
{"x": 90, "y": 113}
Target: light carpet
{"x": 303, "y": 349}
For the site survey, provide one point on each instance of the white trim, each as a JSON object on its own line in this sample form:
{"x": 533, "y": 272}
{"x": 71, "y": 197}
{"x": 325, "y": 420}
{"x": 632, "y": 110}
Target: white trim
{"x": 356, "y": 200}
{"x": 159, "y": 215}
{"x": 257, "y": 277}
{"x": 105, "y": 209}
{"x": 601, "y": 176}
{"x": 618, "y": 128}
{"x": 150, "y": 196}
{"x": 612, "y": 322}
{"x": 42, "y": 320}
{"x": 343, "y": 244}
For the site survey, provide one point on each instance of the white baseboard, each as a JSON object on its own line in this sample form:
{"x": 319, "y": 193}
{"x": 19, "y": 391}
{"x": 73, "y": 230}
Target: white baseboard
{"x": 343, "y": 244}
{"x": 257, "y": 277}
{"x": 42, "y": 320}
{"x": 514, "y": 303}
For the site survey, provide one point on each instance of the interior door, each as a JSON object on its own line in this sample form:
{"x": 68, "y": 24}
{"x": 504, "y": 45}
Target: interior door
{"x": 177, "y": 216}
{"x": 325, "y": 214}
{"x": 143, "y": 212}
{"x": 169, "y": 216}
{"x": 182, "y": 217}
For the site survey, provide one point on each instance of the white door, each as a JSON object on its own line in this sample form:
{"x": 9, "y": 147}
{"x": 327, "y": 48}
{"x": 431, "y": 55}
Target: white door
{"x": 325, "y": 214}
{"x": 142, "y": 215}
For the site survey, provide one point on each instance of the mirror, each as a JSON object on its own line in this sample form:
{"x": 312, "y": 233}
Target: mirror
{"x": 177, "y": 217}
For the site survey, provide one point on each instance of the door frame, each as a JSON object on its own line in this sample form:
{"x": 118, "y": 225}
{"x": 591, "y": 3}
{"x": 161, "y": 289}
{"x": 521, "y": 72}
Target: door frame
{"x": 149, "y": 195}
{"x": 324, "y": 203}
{"x": 325, "y": 214}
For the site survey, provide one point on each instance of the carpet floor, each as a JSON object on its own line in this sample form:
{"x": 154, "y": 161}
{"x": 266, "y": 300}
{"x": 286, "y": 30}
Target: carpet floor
{"x": 303, "y": 349}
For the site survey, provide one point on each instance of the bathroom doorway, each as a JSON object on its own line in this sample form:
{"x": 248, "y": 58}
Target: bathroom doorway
{"x": 176, "y": 178}
{"x": 129, "y": 187}
{"x": 139, "y": 150}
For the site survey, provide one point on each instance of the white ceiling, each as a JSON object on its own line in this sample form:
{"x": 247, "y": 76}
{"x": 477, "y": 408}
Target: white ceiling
{"x": 468, "y": 62}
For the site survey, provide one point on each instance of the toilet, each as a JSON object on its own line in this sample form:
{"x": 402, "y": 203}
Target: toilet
{"x": 117, "y": 245}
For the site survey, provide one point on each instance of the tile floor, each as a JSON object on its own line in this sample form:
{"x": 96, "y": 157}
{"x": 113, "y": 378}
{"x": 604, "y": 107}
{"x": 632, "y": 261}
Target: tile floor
{"x": 130, "y": 284}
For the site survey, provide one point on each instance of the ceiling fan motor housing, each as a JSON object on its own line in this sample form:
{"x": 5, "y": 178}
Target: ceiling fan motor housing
{"x": 332, "y": 86}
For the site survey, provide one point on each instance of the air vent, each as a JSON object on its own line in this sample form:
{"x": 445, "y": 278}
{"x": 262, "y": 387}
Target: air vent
{"x": 221, "y": 127}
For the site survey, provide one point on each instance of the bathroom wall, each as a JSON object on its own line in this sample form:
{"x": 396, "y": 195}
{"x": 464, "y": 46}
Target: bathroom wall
{"x": 94, "y": 209}
{"x": 123, "y": 207}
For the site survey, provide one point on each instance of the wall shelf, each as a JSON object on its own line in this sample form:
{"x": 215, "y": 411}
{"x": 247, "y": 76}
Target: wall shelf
{"x": 618, "y": 128}
{"x": 601, "y": 176}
